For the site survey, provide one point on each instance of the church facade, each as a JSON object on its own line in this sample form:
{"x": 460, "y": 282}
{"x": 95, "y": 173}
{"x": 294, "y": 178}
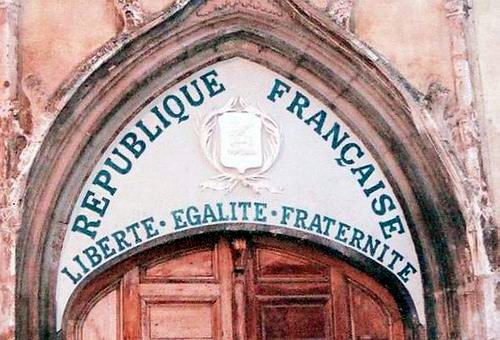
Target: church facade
{"x": 249, "y": 169}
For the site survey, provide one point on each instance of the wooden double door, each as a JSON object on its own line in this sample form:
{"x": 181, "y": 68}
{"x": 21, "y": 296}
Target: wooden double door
{"x": 240, "y": 288}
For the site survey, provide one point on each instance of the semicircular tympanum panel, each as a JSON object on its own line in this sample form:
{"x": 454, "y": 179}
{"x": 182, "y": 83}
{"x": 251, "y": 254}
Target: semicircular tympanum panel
{"x": 236, "y": 144}
{"x": 236, "y": 288}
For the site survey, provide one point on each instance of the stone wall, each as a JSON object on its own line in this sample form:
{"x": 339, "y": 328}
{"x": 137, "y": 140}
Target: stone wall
{"x": 437, "y": 45}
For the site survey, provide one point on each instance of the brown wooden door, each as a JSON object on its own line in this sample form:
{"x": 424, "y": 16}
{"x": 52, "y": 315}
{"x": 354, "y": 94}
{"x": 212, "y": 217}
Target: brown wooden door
{"x": 245, "y": 288}
{"x": 187, "y": 296}
{"x": 297, "y": 293}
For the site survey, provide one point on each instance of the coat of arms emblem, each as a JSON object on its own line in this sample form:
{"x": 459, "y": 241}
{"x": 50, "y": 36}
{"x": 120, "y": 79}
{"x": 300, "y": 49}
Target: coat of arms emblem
{"x": 242, "y": 143}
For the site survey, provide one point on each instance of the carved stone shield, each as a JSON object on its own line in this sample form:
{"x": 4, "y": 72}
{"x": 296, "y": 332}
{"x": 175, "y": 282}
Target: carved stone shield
{"x": 240, "y": 141}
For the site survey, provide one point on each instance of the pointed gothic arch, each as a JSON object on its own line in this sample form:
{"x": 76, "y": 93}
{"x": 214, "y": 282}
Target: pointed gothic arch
{"x": 295, "y": 41}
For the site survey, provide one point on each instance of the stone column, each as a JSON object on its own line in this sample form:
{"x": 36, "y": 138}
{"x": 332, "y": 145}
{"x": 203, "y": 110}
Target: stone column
{"x": 464, "y": 124}
{"x": 9, "y": 108}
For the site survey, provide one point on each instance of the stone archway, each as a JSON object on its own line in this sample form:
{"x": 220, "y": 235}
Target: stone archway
{"x": 365, "y": 92}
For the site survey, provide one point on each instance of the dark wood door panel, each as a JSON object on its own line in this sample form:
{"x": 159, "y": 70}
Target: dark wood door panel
{"x": 294, "y": 318}
{"x": 275, "y": 265}
{"x": 186, "y": 295}
{"x": 101, "y": 322}
{"x": 292, "y": 289}
{"x": 200, "y": 265}
{"x": 370, "y": 318}
{"x": 167, "y": 320}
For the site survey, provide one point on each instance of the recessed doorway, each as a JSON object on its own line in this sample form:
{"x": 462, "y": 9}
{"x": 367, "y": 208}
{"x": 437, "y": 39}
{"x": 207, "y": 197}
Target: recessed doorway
{"x": 245, "y": 287}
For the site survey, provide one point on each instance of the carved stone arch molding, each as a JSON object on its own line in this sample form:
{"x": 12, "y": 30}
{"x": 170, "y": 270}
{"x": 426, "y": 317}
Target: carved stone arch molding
{"x": 292, "y": 39}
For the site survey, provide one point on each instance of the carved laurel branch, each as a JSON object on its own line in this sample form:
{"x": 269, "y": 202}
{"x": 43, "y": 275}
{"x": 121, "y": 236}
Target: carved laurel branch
{"x": 228, "y": 179}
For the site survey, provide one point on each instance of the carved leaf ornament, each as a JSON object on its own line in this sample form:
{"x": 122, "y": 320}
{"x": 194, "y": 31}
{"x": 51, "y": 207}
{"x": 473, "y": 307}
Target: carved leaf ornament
{"x": 264, "y": 6}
